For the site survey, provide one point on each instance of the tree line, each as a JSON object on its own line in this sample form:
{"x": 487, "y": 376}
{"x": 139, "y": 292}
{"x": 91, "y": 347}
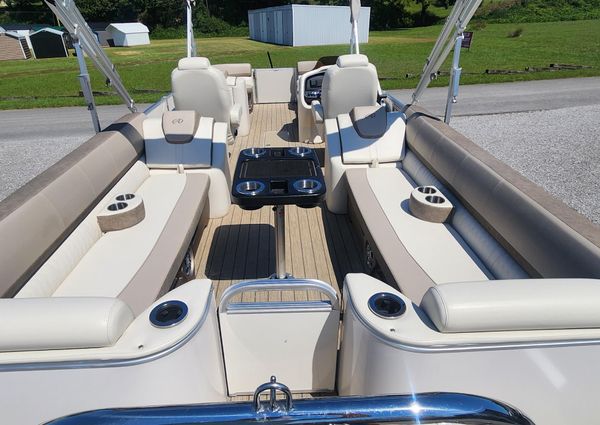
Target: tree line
{"x": 214, "y": 16}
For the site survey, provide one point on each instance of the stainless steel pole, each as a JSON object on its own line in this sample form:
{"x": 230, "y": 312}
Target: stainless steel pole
{"x": 86, "y": 87}
{"x": 279, "y": 212}
{"x": 191, "y": 42}
{"x": 454, "y": 78}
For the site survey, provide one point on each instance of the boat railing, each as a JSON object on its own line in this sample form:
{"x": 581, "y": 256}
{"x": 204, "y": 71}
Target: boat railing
{"x": 426, "y": 408}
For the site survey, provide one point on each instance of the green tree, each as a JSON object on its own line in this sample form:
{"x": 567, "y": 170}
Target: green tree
{"x": 111, "y": 11}
{"x": 28, "y": 11}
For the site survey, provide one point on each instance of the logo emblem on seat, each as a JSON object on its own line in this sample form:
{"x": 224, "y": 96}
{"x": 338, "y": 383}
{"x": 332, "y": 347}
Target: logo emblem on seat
{"x": 177, "y": 121}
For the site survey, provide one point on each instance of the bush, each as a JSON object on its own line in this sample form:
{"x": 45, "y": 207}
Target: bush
{"x": 478, "y": 25}
{"x": 160, "y": 33}
{"x": 512, "y": 11}
{"x": 213, "y": 26}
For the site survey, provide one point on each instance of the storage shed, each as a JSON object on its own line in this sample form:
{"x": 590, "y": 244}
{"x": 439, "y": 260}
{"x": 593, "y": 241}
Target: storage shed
{"x": 13, "y": 47}
{"x": 49, "y": 43}
{"x": 22, "y": 30}
{"x": 306, "y": 25}
{"x": 100, "y": 30}
{"x": 129, "y": 34}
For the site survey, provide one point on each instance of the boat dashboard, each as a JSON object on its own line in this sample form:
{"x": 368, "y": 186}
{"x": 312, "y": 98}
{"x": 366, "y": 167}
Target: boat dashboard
{"x": 312, "y": 87}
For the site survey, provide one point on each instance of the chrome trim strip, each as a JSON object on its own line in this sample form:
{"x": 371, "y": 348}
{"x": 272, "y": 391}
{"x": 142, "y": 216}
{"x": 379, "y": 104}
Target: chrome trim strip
{"x": 278, "y": 307}
{"x": 423, "y": 408}
{"x": 280, "y": 285}
{"x": 464, "y": 347}
{"x": 94, "y": 364}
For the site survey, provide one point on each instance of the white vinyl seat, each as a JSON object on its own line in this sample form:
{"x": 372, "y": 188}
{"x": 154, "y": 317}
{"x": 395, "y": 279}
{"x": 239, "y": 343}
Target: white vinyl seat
{"x": 351, "y": 82}
{"x": 200, "y": 87}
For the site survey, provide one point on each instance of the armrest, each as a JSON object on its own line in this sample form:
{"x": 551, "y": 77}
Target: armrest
{"x": 317, "y": 112}
{"x": 235, "y": 114}
{"x": 55, "y": 323}
{"x": 514, "y": 305}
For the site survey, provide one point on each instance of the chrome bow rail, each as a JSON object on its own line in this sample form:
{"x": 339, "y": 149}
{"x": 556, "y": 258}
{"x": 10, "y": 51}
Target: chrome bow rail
{"x": 426, "y": 408}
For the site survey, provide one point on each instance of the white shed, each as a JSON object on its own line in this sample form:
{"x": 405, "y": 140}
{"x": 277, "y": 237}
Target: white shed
{"x": 306, "y": 25}
{"x": 129, "y": 34}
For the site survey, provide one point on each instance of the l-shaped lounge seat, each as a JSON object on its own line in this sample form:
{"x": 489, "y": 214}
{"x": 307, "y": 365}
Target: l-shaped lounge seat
{"x": 495, "y": 231}
{"x": 58, "y": 247}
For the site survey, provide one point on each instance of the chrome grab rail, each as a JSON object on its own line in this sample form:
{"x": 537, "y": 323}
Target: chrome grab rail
{"x": 279, "y": 285}
{"x": 424, "y": 408}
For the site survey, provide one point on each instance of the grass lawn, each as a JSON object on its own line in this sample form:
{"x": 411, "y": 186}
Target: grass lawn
{"x": 146, "y": 69}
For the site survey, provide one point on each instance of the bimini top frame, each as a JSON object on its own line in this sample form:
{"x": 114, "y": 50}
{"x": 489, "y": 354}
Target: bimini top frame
{"x": 84, "y": 39}
{"x": 451, "y": 36}
{"x": 191, "y": 41}
{"x": 354, "y": 15}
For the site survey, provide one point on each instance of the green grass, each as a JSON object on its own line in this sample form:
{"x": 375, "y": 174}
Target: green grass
{"x": 146, "y": 69}
{"x": 511, "y": 11}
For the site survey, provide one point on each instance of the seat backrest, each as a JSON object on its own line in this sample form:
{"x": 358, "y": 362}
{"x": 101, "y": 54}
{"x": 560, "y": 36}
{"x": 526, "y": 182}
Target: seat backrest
{"x": 38, "y": 217}
{"x": 546, "y": 237}
{"x": 198, "y": 86}
{"x": 351, "y": 82}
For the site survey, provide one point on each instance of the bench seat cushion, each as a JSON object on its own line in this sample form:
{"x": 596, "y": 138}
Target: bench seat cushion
{"x": 47, "y": 323}
{"x": 136, "y": 264}
{"x": 546, "y": 237}
{"x": 44, "y": 212}
{"x": 514, "y": 305}
{"x": 419, "y": 254}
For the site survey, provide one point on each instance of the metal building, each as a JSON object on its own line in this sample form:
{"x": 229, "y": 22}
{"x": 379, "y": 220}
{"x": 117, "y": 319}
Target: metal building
{"x": 306, "y": 25}
{"x": 129, "y": 34}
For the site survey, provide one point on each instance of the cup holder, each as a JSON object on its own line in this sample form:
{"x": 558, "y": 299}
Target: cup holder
{"x": 117, "y": 206}
{"x": 168, "y": 314}
{"x": 435, "y": 199}
{"x": 307, "y": 185}
{"x": 125, "y": 197}
{"x": 252, "y": 187}
{"x": 254, "y": 152}
{"x": 386, "y": 305}
{"x": 428, "y": 190}
{"x": 300, "y": 151}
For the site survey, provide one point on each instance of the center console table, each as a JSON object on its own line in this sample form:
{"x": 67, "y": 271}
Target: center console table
{"x": 278, "y": 177}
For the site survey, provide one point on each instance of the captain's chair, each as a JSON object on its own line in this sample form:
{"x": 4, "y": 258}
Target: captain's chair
{"x": 351, "y": 82}
{"x": 200, "y": 87}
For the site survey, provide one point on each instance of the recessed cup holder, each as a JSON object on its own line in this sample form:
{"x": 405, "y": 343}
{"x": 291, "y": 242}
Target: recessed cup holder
{"x": 168, "y": 314}
{"x": 125, "y": 197}
{"x": 428, "y": 190}
{"x": 387, "y": 305}
{"x": 307, "y": 185}
{"x": 251, "y": 187}
{"x": 300, "y": 151}
{"x": 117, "y": 206}
{"x": 254, "y": 152}
{"x": 435, "y": 199}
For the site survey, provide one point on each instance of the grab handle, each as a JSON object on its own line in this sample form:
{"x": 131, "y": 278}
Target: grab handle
{"x": 279, "y": 285}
